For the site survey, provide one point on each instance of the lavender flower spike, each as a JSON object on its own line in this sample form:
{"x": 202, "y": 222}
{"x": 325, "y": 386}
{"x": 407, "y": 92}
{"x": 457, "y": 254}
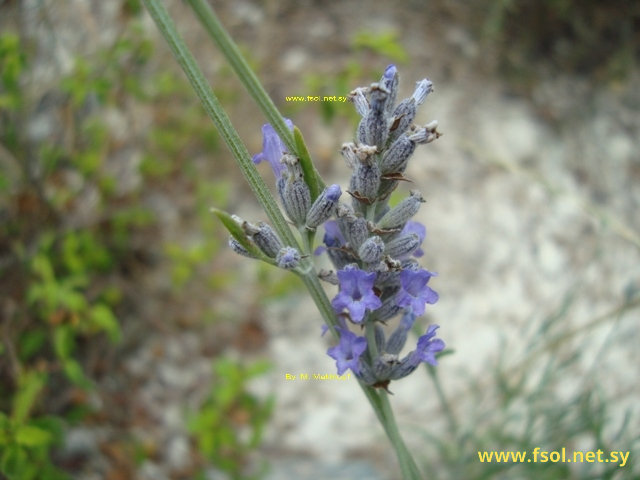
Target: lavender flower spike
{"x": 356, "y": 293}
{"x": 272, "y": 148}
{"x": 414, "y": 291}
{"x": 347, "y": 352}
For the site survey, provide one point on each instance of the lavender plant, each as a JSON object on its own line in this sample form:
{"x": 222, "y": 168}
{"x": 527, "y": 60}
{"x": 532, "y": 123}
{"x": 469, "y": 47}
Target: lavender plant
{"x": 372, "y": 245}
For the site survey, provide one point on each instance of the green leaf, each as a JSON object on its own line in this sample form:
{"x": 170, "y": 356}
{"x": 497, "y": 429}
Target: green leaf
{"x": 30, "y": 384}
{"x": 73, "y": 371}
{"x": 51, "y": 424}
{"x": 41, "y": 266}
{"x": 103, "y": 318}
{"x": 236, "y": 232}
{"x": 63, "y": 341}
{"x": 13, "y": 461}
{"x": 257, "y": 369}
{"x": 386, "y": 44}
{"x": 30, "y": 436}
{"x": 311, "y": 176}
{"x": 31, "y": 343}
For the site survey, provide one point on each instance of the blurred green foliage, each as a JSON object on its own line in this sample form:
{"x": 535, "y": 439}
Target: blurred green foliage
{"x": 385, "y": 47}
{"x": 60, "y": 293}
{"x": 188, "y": 261}
{"x": 70, "y": 237}
{"x": 522, "y": 403}
{"x": 385, "y": 44}
{"x": 230, "y": 423}
{"x": 24, "y": 441}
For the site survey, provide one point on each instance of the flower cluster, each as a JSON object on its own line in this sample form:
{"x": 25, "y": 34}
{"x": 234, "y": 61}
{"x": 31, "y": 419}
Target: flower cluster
{"x": 372, "y": 245}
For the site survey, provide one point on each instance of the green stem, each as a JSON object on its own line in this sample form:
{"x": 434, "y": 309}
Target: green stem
{"x": 379, "y": 402}
{"x": 407, "y": 464}
{"x": 307, "y": 237}
{"x": 382, "y": 408}
{"x": 220, "y": 119}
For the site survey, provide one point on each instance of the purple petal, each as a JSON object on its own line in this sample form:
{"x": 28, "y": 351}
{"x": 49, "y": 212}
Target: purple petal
{"x": 347, "y": 352}
{"x": 272, "y": 148}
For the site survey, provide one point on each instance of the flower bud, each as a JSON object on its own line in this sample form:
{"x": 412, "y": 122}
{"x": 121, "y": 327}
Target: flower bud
{"x": 381, "y": 339}
{"x": 366, "y": 181}
{"x": 388, "y": 310}
{"x": 423, "y": 88}
{"x": 239, "y": 249}
{"x": 398, "y": 338}
{"x": 390, "y": 81}
{"x": 361, "y": 132}
{"x": 376, "y": 124}
{"x": 401, "y": 213}
{"x": 402, "y": 246}
{"x": 371, "y": 250}
{"x": 359, "y": 99}
{"x": 395, "y": 159}
{"x": 323, "y": 207}
{"x": 381, "y": 208}
{"x": 426, "y": 134}
{"x": 264, "y": 237}
{"x": 288, "y": 258}
{"x": 356, "y": 231}
{"x": 366, "y": 374}
{"x": 328, "y": 276}
{"x": 402, "y": 118}
{"x": 388, "y": 278}
{"x": 348, "y": 151}
{"x": 294, "y": 192}
{"x": 389, "y": 275}
{"x": 339, "y": 257}
{"x": 383, "y": 365}
{"x": 404, "y": 368}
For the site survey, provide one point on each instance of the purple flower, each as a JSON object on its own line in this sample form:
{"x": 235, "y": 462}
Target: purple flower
{"x": 414, "y": 291}
{"x": 333, "y": 231}
{"x": 332, "y": 238}
{"x": 390, "y": 72}
{"x": 347, "y": 352}
{"x": 356, "y": 292}
{"x": 272, "y": 148}
{"x": 428, "y": 346}
{"x": 420, "y": 230}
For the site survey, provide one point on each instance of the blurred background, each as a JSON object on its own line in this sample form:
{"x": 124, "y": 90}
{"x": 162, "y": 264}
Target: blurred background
{"x": 134, "y": 345}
